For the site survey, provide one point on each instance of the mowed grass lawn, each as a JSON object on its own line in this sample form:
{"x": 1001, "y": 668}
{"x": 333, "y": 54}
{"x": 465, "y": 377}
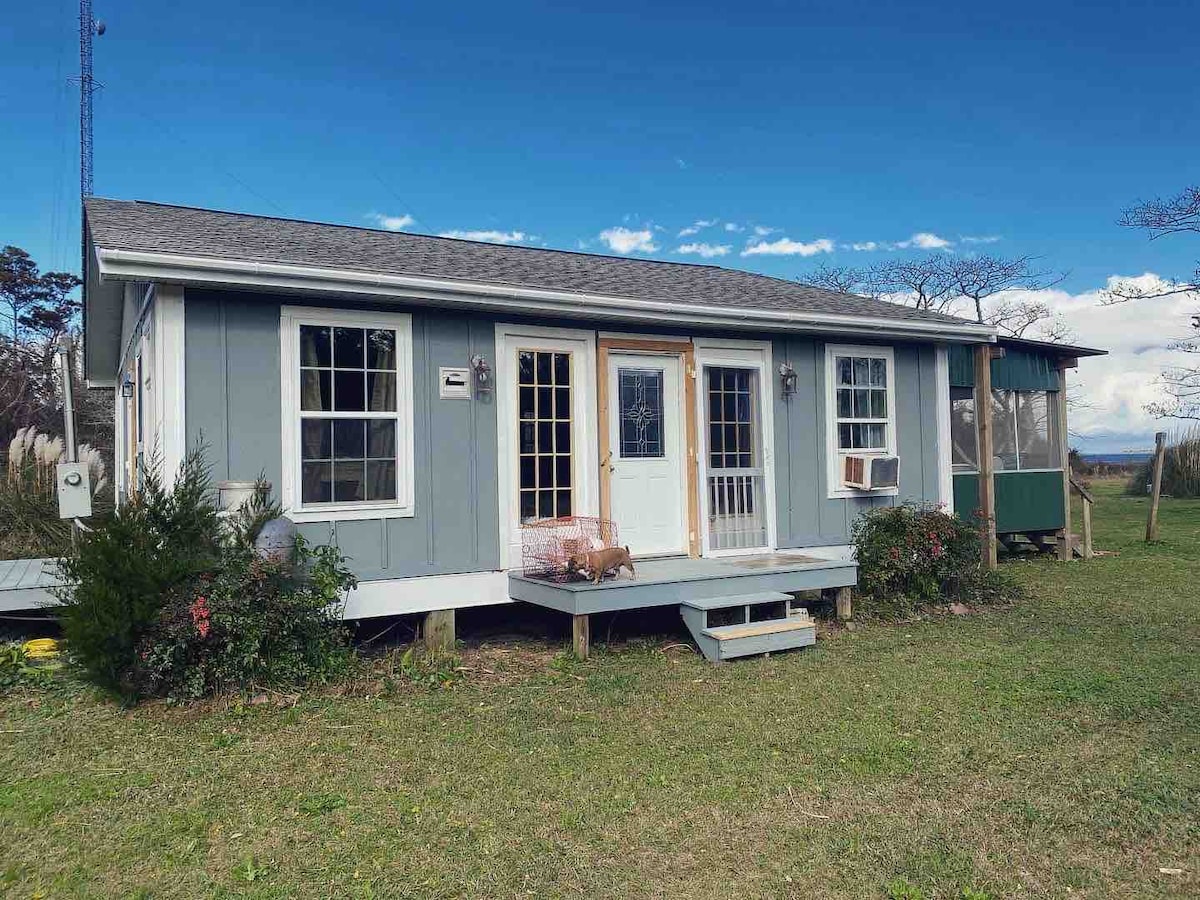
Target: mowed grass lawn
{"x": 1048, "y": 750}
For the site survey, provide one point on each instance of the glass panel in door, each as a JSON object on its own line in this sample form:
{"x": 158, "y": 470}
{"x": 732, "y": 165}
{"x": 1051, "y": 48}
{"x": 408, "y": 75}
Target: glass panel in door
{"x": 736, "y": 507}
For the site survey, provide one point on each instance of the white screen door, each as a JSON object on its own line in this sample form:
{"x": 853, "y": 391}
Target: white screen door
{"x": 736, "y": 474}
{"x": 646, "y": 462}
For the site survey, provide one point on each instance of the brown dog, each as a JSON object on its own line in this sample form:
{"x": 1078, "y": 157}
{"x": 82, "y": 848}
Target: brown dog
{"x": 598, "y": 563}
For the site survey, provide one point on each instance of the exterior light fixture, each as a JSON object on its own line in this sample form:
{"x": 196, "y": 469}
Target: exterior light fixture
{"x": 787, "y": 379}
{"x": 127, "y": 387}
{"x": 483, "y": 374}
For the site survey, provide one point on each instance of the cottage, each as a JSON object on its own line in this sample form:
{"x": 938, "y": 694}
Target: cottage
{"x": 423, "y": 401}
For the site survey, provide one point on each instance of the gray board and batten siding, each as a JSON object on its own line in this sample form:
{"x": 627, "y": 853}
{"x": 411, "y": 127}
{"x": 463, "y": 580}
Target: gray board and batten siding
{"x": 232, "y": 385}
{"x": 233, "y": 407}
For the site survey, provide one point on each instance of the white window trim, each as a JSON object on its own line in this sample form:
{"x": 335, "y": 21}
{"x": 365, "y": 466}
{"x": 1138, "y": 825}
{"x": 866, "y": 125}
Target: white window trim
{"x": 584, "y": 428}
{"x": 739, "y": 354}
{"x": 833, "y": 455}
{"x": 291, "y": 318}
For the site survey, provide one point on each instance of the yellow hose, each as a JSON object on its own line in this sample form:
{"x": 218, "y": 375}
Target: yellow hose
{"x": 41, "y": 648}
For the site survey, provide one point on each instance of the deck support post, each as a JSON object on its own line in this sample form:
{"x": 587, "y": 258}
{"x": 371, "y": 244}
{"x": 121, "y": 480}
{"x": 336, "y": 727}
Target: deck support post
{"x": 983, "y": 428}
{"x": 845, "y": 610}
{"x": 1066, "y": 552}
{"x": 438, "y": 629}
{"x": 581, "y": 635}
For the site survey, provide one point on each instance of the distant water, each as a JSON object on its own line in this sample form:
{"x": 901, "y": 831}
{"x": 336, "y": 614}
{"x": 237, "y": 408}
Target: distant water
{"x": 1116, "y": 459}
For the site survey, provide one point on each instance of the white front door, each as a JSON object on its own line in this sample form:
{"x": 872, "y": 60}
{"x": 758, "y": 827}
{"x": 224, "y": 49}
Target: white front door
{"x": 647, "y": 476}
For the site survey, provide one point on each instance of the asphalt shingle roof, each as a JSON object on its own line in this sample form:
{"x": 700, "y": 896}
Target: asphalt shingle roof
{"x": 156, "y": 227}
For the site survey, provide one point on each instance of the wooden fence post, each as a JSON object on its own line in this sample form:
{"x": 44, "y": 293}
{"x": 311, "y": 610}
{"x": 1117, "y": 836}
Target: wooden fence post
{"x": 1160, "y": 451}
{"x": 983, "y": 429}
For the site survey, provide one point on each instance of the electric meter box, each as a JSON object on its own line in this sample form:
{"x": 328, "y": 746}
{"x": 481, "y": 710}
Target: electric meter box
{"x": 74, "y": 491}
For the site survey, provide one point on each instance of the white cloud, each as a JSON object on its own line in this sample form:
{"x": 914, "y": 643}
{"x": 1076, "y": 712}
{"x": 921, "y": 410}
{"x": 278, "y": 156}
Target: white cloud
{"x": 763, "y": 230}
{"x": 926, "y": 240}
{"x": 696, "y": 227}
{"x": 734, "y": 226}
{"x": 706, "y": 250}
{"x": 983, "y": 239}
{"x": 626, "y": 240}
{"x": 865, "y": 245}
{"x": 391, "y": 223}
{"x": 1117, "y": 387}
{"x": 490, "y": 236}
{"x": 786, "y": 247}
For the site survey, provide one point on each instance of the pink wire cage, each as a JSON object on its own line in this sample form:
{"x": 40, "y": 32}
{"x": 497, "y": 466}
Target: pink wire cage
{"x": 548, "y": 545}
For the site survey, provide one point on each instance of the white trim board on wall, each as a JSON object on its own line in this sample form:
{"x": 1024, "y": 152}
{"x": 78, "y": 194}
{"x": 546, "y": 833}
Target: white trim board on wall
{"x": 425, "y": 593}
{"x": 168, "y": 378}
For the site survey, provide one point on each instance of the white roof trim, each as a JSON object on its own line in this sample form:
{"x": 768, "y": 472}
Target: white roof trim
{"x": 137, "y": 265}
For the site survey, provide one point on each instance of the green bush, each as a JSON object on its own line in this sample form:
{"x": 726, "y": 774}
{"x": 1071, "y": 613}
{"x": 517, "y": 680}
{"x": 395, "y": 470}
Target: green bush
{"x": 252, "y": 622}
{"x": 914, "y": 555}
{"x": 116, "y": 583}
{"x": 16, "y": 667}
{"x": 161, "y": 599}
{"x": 1181, "y": 470}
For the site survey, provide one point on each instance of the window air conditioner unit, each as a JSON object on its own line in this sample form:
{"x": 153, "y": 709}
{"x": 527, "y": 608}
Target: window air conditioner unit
{"x": 871, "y": 473}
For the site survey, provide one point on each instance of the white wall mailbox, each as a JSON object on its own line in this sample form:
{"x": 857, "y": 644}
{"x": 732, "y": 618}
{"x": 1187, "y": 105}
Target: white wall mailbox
{"x": 454, "y": 383}
{"x": 74, "y": 491}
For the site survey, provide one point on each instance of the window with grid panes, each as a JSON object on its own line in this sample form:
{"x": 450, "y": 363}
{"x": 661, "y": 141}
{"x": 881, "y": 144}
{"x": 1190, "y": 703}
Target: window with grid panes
{"x": 349, "y": 415}
{"x": 861, "y": 403}
{"x": 545, "y": 405}
{"x": 731, "y": 438}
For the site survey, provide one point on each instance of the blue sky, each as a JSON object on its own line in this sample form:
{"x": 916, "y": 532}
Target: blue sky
{"x": 843, "y": 122}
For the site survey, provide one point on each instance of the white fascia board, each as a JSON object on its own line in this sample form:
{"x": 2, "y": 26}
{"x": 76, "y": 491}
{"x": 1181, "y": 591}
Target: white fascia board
{"x": 213, "y": 272}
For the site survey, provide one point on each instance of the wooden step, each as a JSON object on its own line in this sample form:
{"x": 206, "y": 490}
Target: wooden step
{"x": 708, "y": 603}
{"x": 759, "y": 629}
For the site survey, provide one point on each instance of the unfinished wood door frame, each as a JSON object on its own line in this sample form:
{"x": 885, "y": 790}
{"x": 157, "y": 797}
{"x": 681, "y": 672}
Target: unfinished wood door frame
{"x": 683, "y": 349}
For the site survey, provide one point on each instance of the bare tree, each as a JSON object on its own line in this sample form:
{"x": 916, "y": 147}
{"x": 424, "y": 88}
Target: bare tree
{"x": 1175, "y": 215}
{"x": 1161, "y": 217}
{"x": 981, "y": 286}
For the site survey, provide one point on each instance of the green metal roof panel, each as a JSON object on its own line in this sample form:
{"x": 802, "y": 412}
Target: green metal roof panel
{"x": 1020, "y": 369}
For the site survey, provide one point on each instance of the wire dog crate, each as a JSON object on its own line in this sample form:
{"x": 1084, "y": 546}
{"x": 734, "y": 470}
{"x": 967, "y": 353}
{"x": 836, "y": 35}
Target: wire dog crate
{"x": 548, "y": 545}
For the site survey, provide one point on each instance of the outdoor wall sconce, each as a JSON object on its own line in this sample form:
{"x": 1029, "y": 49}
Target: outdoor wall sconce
{"x": 787, "y": 379}
{"x": 127, "y": 387}
{"x": 483, "y": 374}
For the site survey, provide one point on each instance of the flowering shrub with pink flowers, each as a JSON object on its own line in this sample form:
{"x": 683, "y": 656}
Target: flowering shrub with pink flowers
{"x": 250, "y": 622}
{"x": 916, "y": 555}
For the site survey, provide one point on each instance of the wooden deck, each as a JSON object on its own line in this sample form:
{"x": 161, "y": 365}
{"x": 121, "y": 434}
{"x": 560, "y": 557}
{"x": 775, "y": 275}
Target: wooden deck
{"x": 669, "y": 582}
{"x": 25, "y": 584}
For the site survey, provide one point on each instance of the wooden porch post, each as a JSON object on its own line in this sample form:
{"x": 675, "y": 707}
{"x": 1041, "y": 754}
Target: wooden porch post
{"x": 438, "y": 629}
{"x": 1065, "y": 552}
{"x": 845, "y": 610}
{"x": 983, "y": 429}
{"x": 581, "y": 635}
